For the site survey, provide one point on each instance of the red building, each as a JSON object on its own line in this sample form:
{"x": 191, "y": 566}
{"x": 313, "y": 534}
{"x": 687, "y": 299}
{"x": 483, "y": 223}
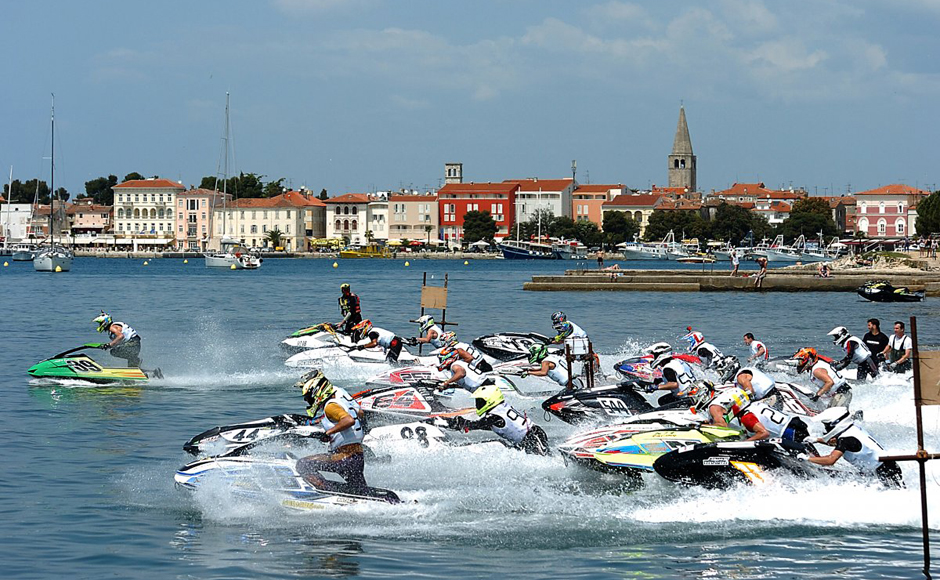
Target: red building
{"x": 454, "y": 200}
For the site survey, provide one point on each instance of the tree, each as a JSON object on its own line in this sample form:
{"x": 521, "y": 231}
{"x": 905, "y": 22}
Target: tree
{"x": 242, "y": 185}
{"x": 732, "y": 223}
{"x": 62, "y": 194}
{"x": 275, "y": 237}
{"x": 427, "y": 230}
{"x": 100, "y": 189}
{"x": 273, "y": 188}
{"x": 26, "y": 192}
{"x": 618, "y": 227}
{"x": 563, "y": 227}
{"x": 478, "y": 225}
{"x": 808, "y": 216}
{"x": 589, "y": 234}
{"x": 685, "y": 223}
{"x": 323, "y": 195}
{"x": 928, "y": 215}
{"x": 132, "y": 176}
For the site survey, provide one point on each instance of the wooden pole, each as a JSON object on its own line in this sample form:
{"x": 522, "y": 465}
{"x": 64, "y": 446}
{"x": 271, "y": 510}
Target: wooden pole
{"x": 921, "y": 453}
{"x": 568, "y": 361}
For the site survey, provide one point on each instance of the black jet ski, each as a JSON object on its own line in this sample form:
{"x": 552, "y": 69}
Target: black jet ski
{"x": 605, "y": 403}
{"x": 883, "y": 291}
{"x": 508, "y": 346}
{"x": 725, "y": 463}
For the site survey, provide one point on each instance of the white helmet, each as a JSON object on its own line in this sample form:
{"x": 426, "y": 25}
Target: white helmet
{"x": 658, "y": 349}
{"x": 839, "y": 335}
{"x": 426, "y": 322}
{"x": 835, "y": 421}
{"x": 661, "y": 360}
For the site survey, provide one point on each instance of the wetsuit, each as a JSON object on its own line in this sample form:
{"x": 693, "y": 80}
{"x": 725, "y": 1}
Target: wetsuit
{"x": 506, "y": 422}
{"x": 861, "y": 450}
{"x": 129, "y": 348}
{"x": 346, "y": 457}
{"x": 856, "y": 352}
{"x": 349, "y": 308}
{"x": 390, "y": 343}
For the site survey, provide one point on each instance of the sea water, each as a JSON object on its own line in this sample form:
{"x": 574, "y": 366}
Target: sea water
{"x": 86, "y": 488}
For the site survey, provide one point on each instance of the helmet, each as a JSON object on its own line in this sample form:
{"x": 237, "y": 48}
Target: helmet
{"x": 661, "y": 360}
{"x": 695, "y": 339}
{"x": 537, "y": 353}
{"x": 702, "y": 397}
{"x": 733, "y": 400}
{"x": 446, "y": 357}
{"x": 839, "y": 335}
{"x": 449, "y": 338}
{"x": 487, "y": 397}
{"x": 426, "y": 322}
{"x": 363, "y": 327}
{"x": 835, "y": 420}
{"x": 344, "y": 288}
{"x": 558, "y": 317}
{"x": 563, "y": 328}
{"x": 316, "y": 389}
{"x": 804, "y": 358}
{"x": 658, "y": 349}
{"x": 104, "y": 321}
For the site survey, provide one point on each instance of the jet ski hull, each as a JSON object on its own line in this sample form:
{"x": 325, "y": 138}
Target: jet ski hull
{"x": 508, "y": 346}
{"x": 640, "y": 451}
{"x": 84, "y": 368}
{"x": 717, "y": 465}
{"x": 604, "y": 403}
{"x": 890, "y": 294}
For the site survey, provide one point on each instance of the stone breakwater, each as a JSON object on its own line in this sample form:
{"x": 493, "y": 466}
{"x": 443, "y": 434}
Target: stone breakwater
{"x": 299, "y": 255}
{"x": 691, "y": 281}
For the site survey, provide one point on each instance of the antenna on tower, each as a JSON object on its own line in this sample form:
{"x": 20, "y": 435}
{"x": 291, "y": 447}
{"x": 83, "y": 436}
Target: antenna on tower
{"x": 574, "y": 170}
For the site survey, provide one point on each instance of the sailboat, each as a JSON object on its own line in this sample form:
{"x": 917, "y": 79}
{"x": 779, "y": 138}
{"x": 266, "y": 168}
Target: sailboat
{"x": 232, "y": 254}
{"x": 52, "y": 258}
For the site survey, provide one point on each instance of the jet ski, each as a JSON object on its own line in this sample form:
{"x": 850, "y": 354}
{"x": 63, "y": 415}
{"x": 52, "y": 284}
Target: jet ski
{"x": 226, "y": 438}
{"x": 883, "y": 291}
{"x": 409, "y": 402}
{"x": 638, "y": 452}
{"x": 580, "y": 448}
{"x": 508, "y": 346}
{"x": 347, "y": 355}
{"x": 429, "y": 376}
{"x": 721, "y": 464}
{"x": 601, "y": 403}
{"x": 66, "y": 367}
{"x": 637, "y": 368}
{"x": 316, "y": 336}
{"x": 260, "y": 477}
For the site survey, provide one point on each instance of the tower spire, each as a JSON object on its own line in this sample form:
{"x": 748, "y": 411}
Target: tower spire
{"x": 682, "y": 145}
{"x": 682, "y": 160}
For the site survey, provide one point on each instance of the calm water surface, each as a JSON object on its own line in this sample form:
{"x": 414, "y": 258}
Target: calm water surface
{"x": 86, "y": 488}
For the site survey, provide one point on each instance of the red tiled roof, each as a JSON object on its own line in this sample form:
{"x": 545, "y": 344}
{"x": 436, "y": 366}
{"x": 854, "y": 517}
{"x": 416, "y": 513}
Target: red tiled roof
{"x": 199, "y": 191}
{"x": 894, "y": 189}
{"x": 417, "y": 198}
{"x": 350, "y": 198}
{"x": 634, "y": 200}
{"x": 681, "y": 204}
{"x": 671, "y": 190}
{"x": 485, "y": 187}
{"x": 299, "y": 199}
{"x": 157, "y": 183}
{"x": 74, "y": 208}
{"x": 288, "y": 199}
{"x": 541, "y": 184}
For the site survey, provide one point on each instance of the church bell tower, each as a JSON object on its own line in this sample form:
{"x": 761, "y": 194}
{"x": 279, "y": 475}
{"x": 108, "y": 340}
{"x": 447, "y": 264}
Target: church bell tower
{"x": 681, "y": 160}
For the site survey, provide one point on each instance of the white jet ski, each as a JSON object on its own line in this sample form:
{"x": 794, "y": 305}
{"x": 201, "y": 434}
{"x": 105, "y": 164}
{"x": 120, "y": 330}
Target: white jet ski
{"x": 347, "y": 355}
{"x": 317, "y": 336}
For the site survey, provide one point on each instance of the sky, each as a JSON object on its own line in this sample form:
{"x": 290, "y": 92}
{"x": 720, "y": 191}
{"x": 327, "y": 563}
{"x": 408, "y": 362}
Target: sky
{"x": 362, "y": 95}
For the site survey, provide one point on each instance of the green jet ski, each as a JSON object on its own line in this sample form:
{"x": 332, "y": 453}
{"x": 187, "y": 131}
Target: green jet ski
{"x": 81, "y": 367}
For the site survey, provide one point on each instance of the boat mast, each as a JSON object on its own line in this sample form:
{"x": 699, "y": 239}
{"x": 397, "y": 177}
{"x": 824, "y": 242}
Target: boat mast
{"x": 52, "y": 182}
{"x": 6, "y": 237}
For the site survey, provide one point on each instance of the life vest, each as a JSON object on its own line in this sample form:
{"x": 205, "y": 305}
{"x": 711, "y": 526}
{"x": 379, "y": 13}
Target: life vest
{"x": 837, "y": 379}
{"x": 861, "y": 353}
{"x": 515, "y": 426}
{"x": 559, "y": 373}
{"x": 684, "y": 376}
{"x": 472, "y": 380}
{"x": 436, "y": 342}
{"x": 867, "y": 459}
{"x": 349, "y": 304}
{"x": 776, "y": 422}
{"x": 756, "y": 346}
{"x": 475, "y": 356}
{"x": 350, "y": 435}
{"x": 761, "y": 383}
{"x": 384, "y": 337}
{"x": 708, "y": 354}
{"x": 126, "y": 331}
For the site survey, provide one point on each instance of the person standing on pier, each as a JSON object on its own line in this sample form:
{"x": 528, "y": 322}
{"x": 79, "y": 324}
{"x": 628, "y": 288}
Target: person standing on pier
{"x": 735, "y": 262}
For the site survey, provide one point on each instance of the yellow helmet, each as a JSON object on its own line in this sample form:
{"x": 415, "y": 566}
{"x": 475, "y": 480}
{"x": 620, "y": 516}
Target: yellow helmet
{"x": 316, "y": 389}
{"x": 487, "y": 397}
{"x": 104, "y": 321}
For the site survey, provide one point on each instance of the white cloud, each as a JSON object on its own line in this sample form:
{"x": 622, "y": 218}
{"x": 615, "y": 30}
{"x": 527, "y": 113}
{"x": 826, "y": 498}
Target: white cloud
{"x": 784, "y": 55}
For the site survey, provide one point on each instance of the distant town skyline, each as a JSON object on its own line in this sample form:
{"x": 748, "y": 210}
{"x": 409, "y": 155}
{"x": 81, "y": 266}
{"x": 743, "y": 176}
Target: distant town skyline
{"x": 364, "y": 95}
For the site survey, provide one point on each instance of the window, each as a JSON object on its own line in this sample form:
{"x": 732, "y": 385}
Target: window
{"x": 120, "y": 227}
{"x": 181, "y": 203}
{"x": 241, "y": 229}
{"x": 192, "y": 204}
{"x": 277, "y": 214}
{"x": 160, "y": 213}
{"x": 863, "y": 225}
{"x": 287, "y": 228}
{"x": 161, "y": 226}
{"x": 899, "y": 226}
{"x": 136, "y": 214}
{"x": 264, "y": 214}
{"x": 181, "y": 228}
{"x": 242, "y": 214}
{"x": 120, "y": 213}
{"x": 345, "y": 224}
{"x": 203, "y": 216}
{"x": 153, "y": 198}
{"x": 861, "y": 207}
{"x": 264, "y": 228}
{"x": 881, "y": 207}
{"x": 192, "y": 218}
{"x": 900, "y": 207}
{"x": 136, "y": 197}
{"x": 355, "y": 210}
{"x": 345, "y": 210}
{"x": 338, "y": 225}
{"x": 355, "y": 225}
{"x": 203, "y": 203}
{"x": 254, "y": 229}
{"x": 882, "y": 227}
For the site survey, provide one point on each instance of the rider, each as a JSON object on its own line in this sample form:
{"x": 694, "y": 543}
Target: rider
{"x": 125, "y": 342}
{"x": 706, "y": 352}
{"x": 855, "y": 352}
{"x": 349, "y": 308}
{"x": 341, "y": 419}
{"x": 757, "y": 384}
{"x": 677, "y": 376}
{"x": 499, "y": 417}
{"x": 824, "y": 378}
{"x": 565, "y": 328}
{"x": 373, "y": 335}
{"x": 898, "y": 350}
{"x": 550, "y": 365}
{"x": 759, "y": 352}
{"x": 460, "y": 372}
{"x": 856, "y": 445}
{"x": 733, "y": 403}
{"x": 467, "y": 353}
{"x": 430, "y": 333}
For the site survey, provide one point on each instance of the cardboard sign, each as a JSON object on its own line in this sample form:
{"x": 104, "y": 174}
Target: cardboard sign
{"x": 433, "y": 297}
{"x": 929, "y": 362}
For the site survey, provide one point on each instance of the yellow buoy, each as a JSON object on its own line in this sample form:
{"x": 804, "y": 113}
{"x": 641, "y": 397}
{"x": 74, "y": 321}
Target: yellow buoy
{"x": 146, "y": 262}
{"x": 58, "y": 268}
{"x": 466, "y": 263}
{"x": 232, "y": 267}
{"x": 407, "y": 264}
{"x": 185, "y": 261}
{"x": 5, "y": 264}
{"x": 335, "y": 265}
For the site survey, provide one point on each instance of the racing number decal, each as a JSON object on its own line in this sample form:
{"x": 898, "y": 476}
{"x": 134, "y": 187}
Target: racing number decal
{"x": 85, "y": 366}
{"x": 614, "y": 407}
{"x": 773, "y": 416}
{"x": 420, "y": 432}
{"x": 245, "y": 435}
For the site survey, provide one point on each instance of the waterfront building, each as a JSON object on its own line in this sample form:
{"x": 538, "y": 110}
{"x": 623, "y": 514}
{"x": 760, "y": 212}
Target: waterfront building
{"x": 886, "y": 212}
{"x": 638, "y": 207}
{"x": 14, "y": 220}
{"x": 295, "y": 214}
{"x": 843, "y": 213}
{"x": 454, "y": 200}
{"x": 587, "y": 201}
{"x": 194, "y": 215}
{"x": 682, "y": 169}
{"x": 414, "y": 217}
{"x": 90, "y": 223}
{"x": 535, "y": 194}
{"x": 377, "y": 218}
{"x": 144, "y": 215}
{"x": 347, "y": 217}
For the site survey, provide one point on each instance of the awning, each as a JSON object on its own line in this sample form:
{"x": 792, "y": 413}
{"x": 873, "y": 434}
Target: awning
{"x": 394, "y": 242}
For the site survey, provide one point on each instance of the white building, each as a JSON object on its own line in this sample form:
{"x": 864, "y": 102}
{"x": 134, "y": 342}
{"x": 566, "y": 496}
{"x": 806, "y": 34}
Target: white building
{"x": 534, "y": 194}
{"x": 144, "y": 213}
{"x": 347, "y": 216}
{"x": 294, "y": 214}
{"x": 377, "y": 213}
{"x": 14, "y": 221}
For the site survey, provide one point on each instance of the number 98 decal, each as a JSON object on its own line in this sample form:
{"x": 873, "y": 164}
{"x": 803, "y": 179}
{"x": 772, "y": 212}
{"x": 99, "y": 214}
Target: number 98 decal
{"x": 420, "y": 433}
